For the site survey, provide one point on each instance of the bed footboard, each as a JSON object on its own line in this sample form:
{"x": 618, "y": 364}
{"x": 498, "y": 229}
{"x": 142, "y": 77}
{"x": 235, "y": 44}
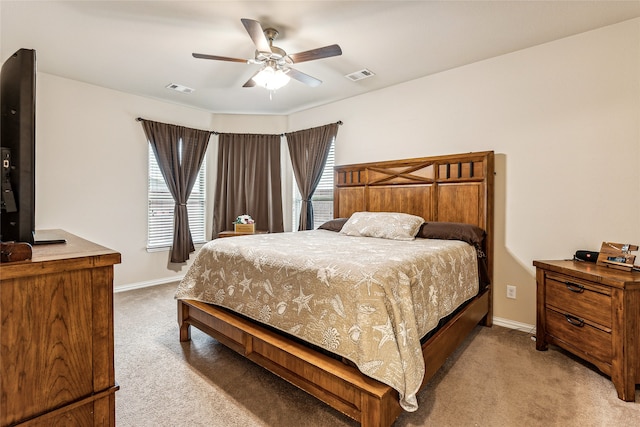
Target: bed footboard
{"x": 341, "y": 386}
{"x": 338, "y": 385}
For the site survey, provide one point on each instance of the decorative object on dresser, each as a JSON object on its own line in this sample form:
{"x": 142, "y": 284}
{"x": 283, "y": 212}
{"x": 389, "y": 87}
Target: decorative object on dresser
{"x": 592, "y": 311}
{"x": 15, "y": 251}
{"x": 56, "y": 336}
{"x": 455, "y": 188}
{"x": 618, "y": 255}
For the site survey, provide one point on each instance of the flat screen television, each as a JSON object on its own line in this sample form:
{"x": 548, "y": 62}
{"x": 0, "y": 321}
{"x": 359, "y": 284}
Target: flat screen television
{"x": 18, "y": 143}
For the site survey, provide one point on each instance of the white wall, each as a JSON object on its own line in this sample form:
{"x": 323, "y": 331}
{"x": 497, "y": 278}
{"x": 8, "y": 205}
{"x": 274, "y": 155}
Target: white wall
{"x": 563, "y": 120}
{"x": 91, "y": 167}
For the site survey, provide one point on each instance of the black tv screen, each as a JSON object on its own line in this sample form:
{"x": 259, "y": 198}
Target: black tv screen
{"x": 17, "y": 142}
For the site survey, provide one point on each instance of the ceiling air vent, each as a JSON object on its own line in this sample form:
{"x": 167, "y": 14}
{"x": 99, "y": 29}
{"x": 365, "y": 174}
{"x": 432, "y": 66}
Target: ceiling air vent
{"x": 179, "y": 88}
{"x": 359, "y": 75}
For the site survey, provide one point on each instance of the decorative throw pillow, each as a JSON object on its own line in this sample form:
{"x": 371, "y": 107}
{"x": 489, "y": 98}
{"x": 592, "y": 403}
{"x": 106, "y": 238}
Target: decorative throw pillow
{"x": 471, "y": 234}
{"x": 334, "y": 224}
{"x": 386, "y": 225}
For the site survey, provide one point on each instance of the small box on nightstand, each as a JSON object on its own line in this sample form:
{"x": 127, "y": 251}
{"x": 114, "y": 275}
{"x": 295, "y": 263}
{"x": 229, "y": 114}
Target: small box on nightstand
{"x": 244, "y": 228}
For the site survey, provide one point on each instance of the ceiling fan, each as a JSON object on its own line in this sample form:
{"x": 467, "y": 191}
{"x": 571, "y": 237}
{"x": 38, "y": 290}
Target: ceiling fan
{"x": 276, "y": 63}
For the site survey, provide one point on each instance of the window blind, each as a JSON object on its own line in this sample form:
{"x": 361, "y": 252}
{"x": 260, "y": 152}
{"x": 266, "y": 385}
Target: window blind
{"x": 161, "y": 206}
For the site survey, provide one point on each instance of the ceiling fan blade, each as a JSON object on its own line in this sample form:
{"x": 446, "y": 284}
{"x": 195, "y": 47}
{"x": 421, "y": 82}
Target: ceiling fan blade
{"x": 319, "y": 53}
{"x": 250, "y": 82}
{"x": 257, "y": 34}
{"x": 304, "y": 78}
{"x": 218, "y": 58}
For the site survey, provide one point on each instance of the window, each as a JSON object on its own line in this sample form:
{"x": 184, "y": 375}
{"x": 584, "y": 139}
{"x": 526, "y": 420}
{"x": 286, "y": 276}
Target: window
{"x": 161, "y": 206}
{"x": 322, "y": 198}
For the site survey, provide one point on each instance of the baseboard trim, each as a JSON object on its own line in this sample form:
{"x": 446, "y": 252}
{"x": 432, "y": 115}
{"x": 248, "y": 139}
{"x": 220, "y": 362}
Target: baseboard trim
{"x": 512, "y": 324}
{"x": 146, "y": 284}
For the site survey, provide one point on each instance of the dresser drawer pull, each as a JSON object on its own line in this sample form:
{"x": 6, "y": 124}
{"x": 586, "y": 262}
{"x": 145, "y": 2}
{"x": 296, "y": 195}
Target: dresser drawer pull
{"x": 575, "y": 321}
{"x": 573, "y": 287}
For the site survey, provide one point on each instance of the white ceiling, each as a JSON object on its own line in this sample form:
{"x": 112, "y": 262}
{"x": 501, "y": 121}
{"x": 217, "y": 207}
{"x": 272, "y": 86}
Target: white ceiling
{"x": 140, "y": 47}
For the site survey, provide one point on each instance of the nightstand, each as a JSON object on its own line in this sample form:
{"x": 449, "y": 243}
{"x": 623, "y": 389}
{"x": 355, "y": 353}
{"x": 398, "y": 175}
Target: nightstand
{"x": 593, "y": 312}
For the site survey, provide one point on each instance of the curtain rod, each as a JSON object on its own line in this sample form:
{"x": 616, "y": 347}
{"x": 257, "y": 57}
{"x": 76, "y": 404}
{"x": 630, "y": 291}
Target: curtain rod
{"x": 140, "y": 119}
{"x": 339, "y": 122}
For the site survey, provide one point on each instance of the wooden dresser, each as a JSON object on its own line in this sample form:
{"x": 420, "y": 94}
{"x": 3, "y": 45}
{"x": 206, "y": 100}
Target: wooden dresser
{"x": 56, "y": 336}
{"x": 594, "y": 312}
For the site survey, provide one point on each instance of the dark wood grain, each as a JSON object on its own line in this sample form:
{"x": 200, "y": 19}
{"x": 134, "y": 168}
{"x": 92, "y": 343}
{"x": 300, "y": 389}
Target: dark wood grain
{"x": 580, "y": 296}
{"x": 56, "y": 340}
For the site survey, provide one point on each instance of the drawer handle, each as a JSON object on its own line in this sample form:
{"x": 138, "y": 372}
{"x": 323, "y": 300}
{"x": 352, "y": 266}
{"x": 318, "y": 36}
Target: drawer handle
{"x": 573, "y": 287}
{"x": 575, "y": 321}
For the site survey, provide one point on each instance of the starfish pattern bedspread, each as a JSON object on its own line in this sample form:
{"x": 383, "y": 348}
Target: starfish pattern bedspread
{"x": 367, "y": 299}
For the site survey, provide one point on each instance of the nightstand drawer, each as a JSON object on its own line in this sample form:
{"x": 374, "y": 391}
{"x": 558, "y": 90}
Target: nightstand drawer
{"x": 581, "y": 298}
{"x": 576, "y": 332}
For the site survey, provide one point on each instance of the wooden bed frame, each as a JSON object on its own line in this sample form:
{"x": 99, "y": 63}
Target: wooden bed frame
{"x": 452, "y": 188}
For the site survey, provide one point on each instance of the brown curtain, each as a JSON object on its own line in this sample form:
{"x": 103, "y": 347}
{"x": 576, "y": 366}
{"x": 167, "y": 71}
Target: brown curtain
{"x": 179, "y": 152}
{"x": 309, "y": 150}
{"x": 248, "y": 181}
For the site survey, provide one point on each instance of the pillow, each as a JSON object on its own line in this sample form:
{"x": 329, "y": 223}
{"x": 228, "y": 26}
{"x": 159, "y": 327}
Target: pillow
{"x": 333, "y": 224}
{"x": 471, "y": 234}
{"x": 386, "y": 225}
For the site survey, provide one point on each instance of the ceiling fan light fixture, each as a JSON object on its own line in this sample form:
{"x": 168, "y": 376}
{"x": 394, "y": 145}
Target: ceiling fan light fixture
{"x": 271, "y": 78}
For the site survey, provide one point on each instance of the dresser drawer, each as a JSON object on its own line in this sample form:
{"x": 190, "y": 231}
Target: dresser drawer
{"x": 581, "y": 298}
{"x": 581, "y": 335}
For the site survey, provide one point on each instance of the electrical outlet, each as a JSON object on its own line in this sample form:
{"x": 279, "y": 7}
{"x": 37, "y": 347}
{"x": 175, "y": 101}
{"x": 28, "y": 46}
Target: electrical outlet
{"x": 511, "y": 291}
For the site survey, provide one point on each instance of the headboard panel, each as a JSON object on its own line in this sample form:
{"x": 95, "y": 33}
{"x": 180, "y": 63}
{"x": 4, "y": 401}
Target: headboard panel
{"x": 450, "y": 188}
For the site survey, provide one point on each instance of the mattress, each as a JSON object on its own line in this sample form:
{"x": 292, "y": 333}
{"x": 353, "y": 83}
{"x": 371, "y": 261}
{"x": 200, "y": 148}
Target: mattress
{"x": 369, "y": 300}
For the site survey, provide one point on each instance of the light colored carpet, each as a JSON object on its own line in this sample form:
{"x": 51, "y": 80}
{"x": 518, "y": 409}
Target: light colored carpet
{"x": 496, "y": 378}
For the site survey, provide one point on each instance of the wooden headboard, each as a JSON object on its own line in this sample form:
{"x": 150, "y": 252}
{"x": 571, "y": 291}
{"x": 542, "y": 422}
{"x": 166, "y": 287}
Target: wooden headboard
{"x": 450, "y": 188}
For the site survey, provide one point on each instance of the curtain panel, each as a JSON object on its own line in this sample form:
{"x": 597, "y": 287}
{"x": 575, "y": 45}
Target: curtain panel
{"x": 309, "y": 149}
{"x": 248, "y": 181}
{"x": 179, "y": 152}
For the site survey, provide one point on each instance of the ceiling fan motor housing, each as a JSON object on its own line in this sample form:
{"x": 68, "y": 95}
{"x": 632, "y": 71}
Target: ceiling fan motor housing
{"x": 276, "y": 54}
